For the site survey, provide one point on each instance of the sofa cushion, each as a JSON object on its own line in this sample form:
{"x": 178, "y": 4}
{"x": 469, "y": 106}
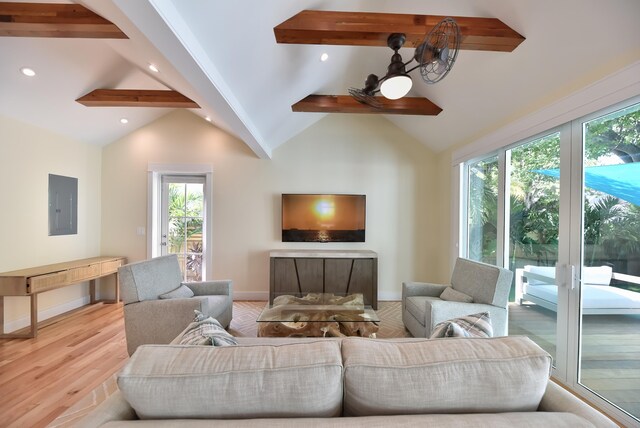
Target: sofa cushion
{"x": 475, "y": 325}
{"x": 234, "y": 382}
{"x": 416, "y": 306}
{"x": 455, "y": 296}
{"x": 457, "y": 375}
{"x": 182, "y": 292}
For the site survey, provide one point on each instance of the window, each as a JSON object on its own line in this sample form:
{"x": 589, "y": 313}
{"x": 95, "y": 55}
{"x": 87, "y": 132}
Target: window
{"x": 570, "y": 215}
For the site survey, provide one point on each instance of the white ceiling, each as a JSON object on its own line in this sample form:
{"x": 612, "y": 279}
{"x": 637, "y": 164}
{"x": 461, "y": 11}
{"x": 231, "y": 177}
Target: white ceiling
{"x": 224, "y": 56}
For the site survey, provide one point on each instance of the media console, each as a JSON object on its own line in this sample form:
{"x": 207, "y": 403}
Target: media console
{"x": 340, "y": 272}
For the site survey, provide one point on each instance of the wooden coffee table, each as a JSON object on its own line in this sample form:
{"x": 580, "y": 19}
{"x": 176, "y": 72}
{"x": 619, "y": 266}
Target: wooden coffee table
{"x": 317, "y": 315}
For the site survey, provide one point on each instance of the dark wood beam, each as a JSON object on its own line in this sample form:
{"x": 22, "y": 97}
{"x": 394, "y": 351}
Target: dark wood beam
{"x": 347, "y": 104}
{"x": 54, "y": 20}
{"x": 372, "y": 29}
{"x": 136, "y": 98}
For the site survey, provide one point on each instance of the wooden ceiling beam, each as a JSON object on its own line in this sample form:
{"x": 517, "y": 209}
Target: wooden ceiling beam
{"x": 372, "y": 29}
{"x": 55, "y": 20}
{"x": 136, "y": 98}
{"x": 347, "y": 104}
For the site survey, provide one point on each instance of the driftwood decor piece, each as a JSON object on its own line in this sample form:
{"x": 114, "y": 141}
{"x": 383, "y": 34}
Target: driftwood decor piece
{"x": 317, "y": 315}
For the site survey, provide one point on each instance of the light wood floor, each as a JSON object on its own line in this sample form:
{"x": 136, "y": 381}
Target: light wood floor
{"x": 73, "y": 354}
{"x": 77, "y": 354}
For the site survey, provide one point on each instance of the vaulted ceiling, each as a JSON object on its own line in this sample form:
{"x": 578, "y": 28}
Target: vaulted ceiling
{"x": 224, "y": 57}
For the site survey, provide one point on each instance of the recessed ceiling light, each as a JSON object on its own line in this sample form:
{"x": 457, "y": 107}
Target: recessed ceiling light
{"x": 124, "y": 120}
{"x": 207, "y": 118}
{"x": 153, "y": 68}
{"x": 27, "y": 71}
{"x": 324, "y": 57}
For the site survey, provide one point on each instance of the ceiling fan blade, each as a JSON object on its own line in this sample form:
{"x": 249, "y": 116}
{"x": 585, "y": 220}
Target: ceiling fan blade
{"x": 363, "y": 97}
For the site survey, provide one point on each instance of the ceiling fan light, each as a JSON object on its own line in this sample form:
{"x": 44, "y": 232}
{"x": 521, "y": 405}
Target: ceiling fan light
{"x": 396, "y": 87}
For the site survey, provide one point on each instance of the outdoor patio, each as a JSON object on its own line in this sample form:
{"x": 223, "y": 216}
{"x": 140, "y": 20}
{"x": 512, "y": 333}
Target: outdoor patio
{"x": 610, "y": 350}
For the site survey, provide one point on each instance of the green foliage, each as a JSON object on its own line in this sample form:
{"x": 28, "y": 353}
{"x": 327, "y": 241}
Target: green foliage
{"x": 185, "y": 216}
{"x": 611, "y": 225}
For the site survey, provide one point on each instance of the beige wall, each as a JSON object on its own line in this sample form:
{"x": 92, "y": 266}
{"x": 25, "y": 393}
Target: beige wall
{"x": 27, "y": 156}
{"x": 339, "y": 154}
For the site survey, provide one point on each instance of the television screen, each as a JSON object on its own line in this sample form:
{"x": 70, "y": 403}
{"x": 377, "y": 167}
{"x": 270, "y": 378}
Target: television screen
{"x": 323, "y": 218}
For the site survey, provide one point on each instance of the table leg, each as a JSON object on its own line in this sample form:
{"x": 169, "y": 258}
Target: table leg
{"x": 33, "y": 329}
{"x": 34, "y": 315}
{"x": 117, "y": 287}
{"x": 1, "y": 315}
{"x": 92, "y": 291}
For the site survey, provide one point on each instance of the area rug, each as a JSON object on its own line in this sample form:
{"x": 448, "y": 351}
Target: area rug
{"x": 243, "y": 324}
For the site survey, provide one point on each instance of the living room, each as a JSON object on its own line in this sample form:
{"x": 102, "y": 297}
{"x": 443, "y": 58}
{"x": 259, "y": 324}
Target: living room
{"x": 410, "y": 185}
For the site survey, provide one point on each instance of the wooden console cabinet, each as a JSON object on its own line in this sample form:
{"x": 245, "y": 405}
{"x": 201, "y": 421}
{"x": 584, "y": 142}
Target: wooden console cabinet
{"x": 30, "y": 282}
{"x": 329, "y": 271}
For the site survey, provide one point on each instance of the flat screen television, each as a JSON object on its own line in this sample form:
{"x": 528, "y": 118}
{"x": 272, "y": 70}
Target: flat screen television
{"x": 323, "y": 218}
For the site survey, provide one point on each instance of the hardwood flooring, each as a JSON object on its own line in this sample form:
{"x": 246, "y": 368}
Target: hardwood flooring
{"x": 74, "y": 353}
{"x": 60, "y": 375}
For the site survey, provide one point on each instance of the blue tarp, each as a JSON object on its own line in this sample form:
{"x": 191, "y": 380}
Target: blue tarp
{"x": 621, "y": 181}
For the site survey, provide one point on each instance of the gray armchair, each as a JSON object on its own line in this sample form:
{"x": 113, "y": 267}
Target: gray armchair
{"x": 487, "y": 285}
{"x": 151, "y": 319}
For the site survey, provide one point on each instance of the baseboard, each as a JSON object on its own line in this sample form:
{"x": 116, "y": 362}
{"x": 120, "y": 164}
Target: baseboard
{"x": 264, "y": 295}
{"x": 389, "y": 296}
{"x": 251, "y": 295}
{"x": 46, "y": 314}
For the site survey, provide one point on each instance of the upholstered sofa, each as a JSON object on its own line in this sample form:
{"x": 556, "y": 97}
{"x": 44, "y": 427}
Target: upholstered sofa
{"x": 261, "y": 382}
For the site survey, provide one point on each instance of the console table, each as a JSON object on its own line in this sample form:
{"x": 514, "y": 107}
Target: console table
{"x": 340, "y": 272}
{"x": 30, "y": 282}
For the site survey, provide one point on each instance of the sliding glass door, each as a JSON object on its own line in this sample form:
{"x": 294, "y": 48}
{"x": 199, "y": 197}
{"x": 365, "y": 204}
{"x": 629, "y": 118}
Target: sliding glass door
{"x": 609, "y": 363}
{"x": 562, "y": 211}
{"x": 533, "y": 228}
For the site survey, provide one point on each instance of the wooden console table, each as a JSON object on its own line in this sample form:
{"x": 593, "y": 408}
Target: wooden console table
{"x": 341, "y": 272}
{"x": 30, "y": 282}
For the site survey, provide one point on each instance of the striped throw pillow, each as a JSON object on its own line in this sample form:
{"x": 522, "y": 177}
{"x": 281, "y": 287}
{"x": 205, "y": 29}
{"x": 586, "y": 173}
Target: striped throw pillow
{"x": 206, "y": 331}
{"x": 475, "y": 325}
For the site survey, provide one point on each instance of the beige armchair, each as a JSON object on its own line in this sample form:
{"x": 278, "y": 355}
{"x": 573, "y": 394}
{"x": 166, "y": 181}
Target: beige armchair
{"x": 149, "y": 318}
{"x": 486, "y": 285}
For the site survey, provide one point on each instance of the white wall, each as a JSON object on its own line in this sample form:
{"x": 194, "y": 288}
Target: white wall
{"x": 27, "y": 156}
{"x": 340, "y": 154}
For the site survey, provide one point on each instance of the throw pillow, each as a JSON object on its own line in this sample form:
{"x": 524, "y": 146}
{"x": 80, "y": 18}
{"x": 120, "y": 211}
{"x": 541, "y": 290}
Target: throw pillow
{"x": 182, "y": 292}
{"x": 206, "y": 331}
{"x": 455, "y": 296}
{"x": 476, "y": 325}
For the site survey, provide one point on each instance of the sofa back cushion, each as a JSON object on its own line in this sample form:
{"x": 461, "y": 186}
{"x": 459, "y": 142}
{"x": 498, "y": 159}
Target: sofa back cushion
{"x": 452, "y": 375}
{"x": 484, "y": 283}
{"x": 148, "y": 279}
{"x": 234, "y": 382}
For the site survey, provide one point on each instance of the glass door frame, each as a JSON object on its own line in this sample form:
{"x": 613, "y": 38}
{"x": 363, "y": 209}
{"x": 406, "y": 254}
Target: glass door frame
{"x": 576, "y": 251}
{"x": 155, "y": 173}
{"x": 570, "y": 245}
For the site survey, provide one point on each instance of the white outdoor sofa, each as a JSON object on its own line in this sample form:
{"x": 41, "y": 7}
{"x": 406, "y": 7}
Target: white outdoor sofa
{"x": 536, "y": 284}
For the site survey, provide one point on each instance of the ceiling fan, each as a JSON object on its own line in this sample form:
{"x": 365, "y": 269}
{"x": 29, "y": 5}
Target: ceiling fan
{"x": 434, "y": 57}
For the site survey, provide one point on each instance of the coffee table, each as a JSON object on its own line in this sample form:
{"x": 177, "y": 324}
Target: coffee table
{"x": 318, "y": 315}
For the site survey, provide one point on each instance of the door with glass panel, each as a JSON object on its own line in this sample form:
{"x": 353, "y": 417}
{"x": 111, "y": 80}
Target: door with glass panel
{"x": 532, "y": 222}
{"x": 182, "y": 223}
{"x": 609, "y": 274}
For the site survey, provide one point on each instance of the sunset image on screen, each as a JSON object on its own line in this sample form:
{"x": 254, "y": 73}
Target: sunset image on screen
{"x": 330, "y": 218}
